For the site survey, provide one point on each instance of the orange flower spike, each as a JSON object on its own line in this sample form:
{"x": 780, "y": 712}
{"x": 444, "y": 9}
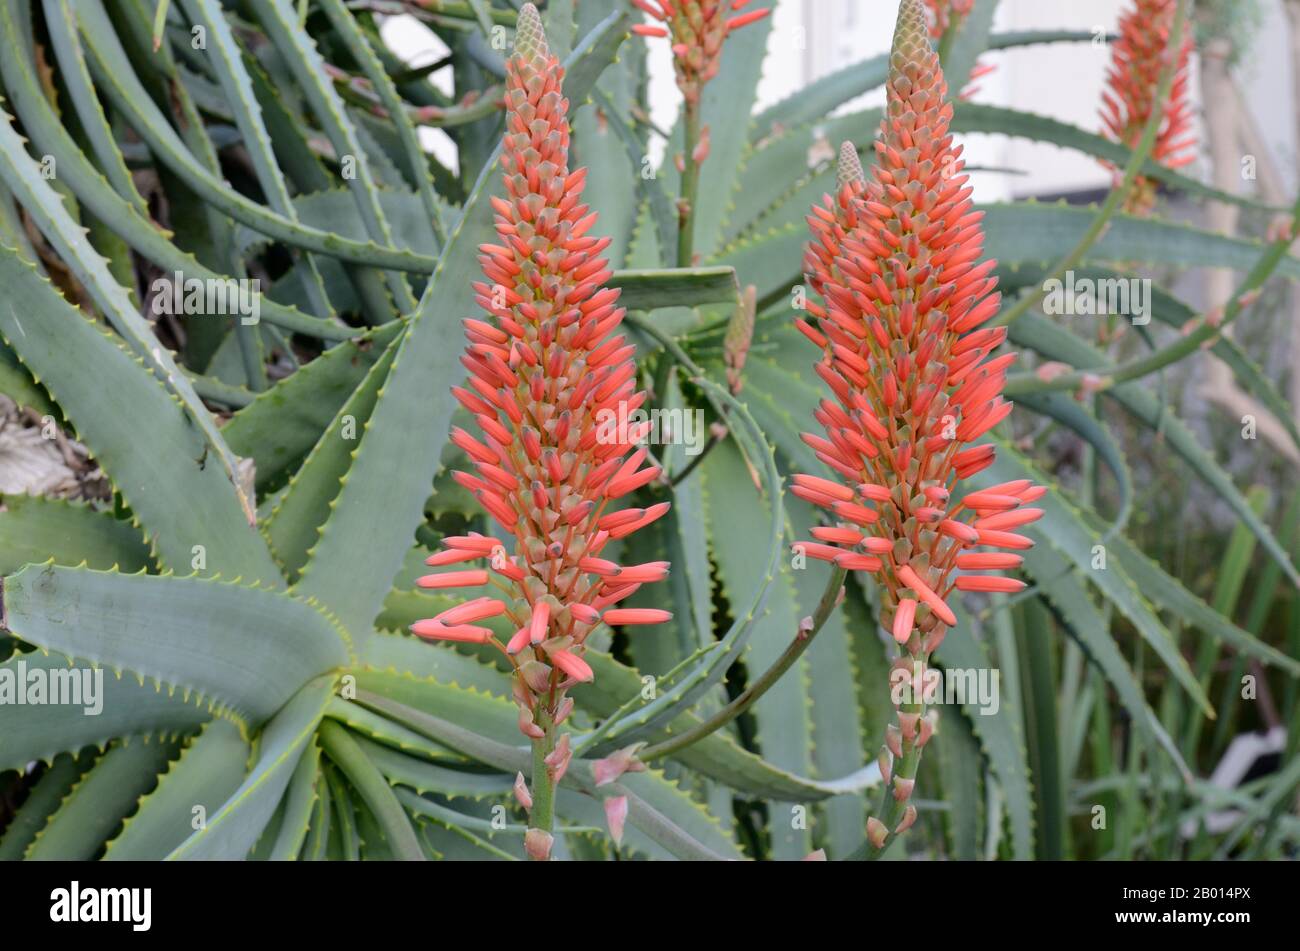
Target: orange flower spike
{"x": 830, "y": 225}
{"x": 895, "y": 257}
{"x": 1138, "y": 56}
{"x": 546, "y": 371}
{"x": 696, "y": 29}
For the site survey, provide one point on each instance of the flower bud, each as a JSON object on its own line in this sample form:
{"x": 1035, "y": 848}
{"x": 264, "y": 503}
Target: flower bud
{"x": 896, "y": 259}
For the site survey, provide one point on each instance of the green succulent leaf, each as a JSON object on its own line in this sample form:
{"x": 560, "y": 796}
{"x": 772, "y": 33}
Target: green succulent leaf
{"x": 196, "y": 784}
{"x": 35, "y": 529}
{"x": 1064, "y": 529}
{"x": 182, "y": 497}
{"x": 106, "y": 794}
{"x": 125, "y": 707}
{"x": 236, "y": 826}
{"x": 245, "y": 649}
{"x": 1034, "y": 330}
{"x": 43, "y": 800}
{"x": 1002, "y": 739}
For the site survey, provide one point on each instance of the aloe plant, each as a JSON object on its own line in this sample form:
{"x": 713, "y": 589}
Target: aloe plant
{"x": 247, "y": 586}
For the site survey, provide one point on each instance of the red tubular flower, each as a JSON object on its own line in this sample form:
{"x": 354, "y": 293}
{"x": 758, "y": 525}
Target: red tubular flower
{"x": 697, "y": 29}
{"x": 895, "y": 258}
{"x": 1138, "y": 57}
{"x": 546, "y": 376}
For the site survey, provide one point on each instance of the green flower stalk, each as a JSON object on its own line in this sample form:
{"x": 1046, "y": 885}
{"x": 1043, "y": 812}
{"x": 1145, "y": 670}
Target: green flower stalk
{"x": 697, "y": 30}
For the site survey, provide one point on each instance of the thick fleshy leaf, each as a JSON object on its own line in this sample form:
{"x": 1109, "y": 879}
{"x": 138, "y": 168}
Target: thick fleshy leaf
{"x": 245, "y": 649}
{"x": 157, "y": 457}
{"x": 35, "y": 529}
{"x": 208, "y": 770}
{"x": 108, "y": 706}
{"x": 236, "y": 826}
{"x": 102, "y": 798}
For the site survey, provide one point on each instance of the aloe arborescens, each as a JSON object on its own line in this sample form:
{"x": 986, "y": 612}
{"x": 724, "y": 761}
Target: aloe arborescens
{"x": 895, "y": 257}
{"x": 268, "y": 674}
{"x": 548, "y": 466}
